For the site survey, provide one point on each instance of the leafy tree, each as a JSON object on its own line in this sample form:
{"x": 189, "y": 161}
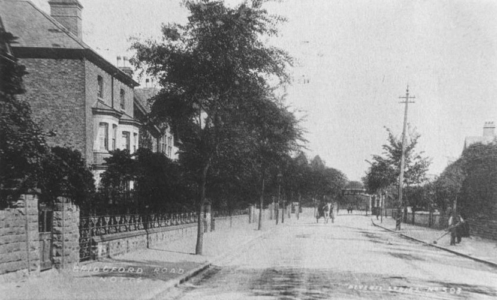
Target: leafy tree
{"x": 317, "y": 163}
{"x": 274, "y": 133}
{"x": 385, "y": 170}
{"x": 159, "y": 183}
{"x": 116, "y": 181}
{"x": 478, "y": 174}
{"x": 301, "y": 173}
{"x": 380, "y": 176}
{"x": 315, "y": 180}
{"x": 448, "y": 185}
{"x": 207, "y": 69}
{"x": 335, "y": 182}
{"x": 22, "y": 142}
{"x": 64, "y": 172}
{"x": 121, "y": 170}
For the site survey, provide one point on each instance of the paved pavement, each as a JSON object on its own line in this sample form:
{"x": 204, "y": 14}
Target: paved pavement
{"x": 474, "y": 246}
{"x": 350, "y": 259}
{"x": 137, "y": 275}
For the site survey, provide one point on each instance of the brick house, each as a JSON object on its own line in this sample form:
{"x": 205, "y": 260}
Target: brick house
{"x": 160, "y": 138}
{"x": 74, "y": 92}
{"x": 488, "y": 136}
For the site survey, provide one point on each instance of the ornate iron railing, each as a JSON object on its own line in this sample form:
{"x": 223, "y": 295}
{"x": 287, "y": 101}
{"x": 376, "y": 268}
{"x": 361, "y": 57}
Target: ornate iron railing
{"x": 110, "y": 224}
{"x": 226, "y": 213}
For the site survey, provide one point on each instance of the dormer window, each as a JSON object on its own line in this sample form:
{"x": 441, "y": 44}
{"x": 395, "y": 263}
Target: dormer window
{"x": 100, "y": 91}
{"x": 122, "y": 98}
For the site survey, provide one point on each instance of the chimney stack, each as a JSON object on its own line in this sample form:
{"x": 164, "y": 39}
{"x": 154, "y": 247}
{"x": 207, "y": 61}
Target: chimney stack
{"x": 489, "y": 129}
{"x": 68, "y": 13}
{"x": 127, "y": 70}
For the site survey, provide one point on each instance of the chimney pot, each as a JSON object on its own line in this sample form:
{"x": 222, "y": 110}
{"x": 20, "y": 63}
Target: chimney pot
{"x": 489, "y": 129}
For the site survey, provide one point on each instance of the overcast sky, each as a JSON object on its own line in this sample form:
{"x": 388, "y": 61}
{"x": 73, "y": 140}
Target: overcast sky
{"x": 358, "y": 57}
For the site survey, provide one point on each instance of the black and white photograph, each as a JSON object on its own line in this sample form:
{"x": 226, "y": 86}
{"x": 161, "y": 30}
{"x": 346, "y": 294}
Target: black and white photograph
{"x": 248, "y": 149}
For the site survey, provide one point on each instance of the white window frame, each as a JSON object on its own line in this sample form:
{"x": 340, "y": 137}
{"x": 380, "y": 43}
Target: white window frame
{"x": 114, "y": 136}
{"x": 126, "y": 140}
{"x": 100, "y": 87}
{"x": 103, "y": 136}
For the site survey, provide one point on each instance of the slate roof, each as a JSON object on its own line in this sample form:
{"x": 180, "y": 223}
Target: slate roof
{"x": 35, "y": 28}
{"x": 143, "y": 94}
{"x": 470, "y": 140}
{"x": 5, "y": 50}
{"x": 40, "y": 35}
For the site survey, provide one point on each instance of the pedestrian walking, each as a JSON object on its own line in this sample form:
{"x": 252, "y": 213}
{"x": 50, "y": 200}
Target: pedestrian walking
{"x": 464, "y": 230}
{"x": 332, "y": 213}
{"x": 398, "y": 221}
{"x": 319, "y": 211}
{"x": 326, "y": 211}
{"x": 455, "y": 221}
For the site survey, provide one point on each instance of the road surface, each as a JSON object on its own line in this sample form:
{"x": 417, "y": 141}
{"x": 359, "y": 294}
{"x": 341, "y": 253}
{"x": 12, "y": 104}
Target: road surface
{"x": 349, "y": 259}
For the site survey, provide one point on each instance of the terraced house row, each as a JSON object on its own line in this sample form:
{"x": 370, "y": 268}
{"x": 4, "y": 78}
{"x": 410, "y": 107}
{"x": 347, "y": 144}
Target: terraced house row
{"x": 89, "y": 103}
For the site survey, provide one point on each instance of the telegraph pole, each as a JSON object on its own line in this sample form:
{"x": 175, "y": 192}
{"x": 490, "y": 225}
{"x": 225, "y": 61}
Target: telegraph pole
{"x": 402, "y": 158}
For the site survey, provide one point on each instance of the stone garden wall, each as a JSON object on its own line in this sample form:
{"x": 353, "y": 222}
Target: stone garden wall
{"x": 65, "y": 233}
{"x": 111, "y": 245}
{"x": 19, "y": 240}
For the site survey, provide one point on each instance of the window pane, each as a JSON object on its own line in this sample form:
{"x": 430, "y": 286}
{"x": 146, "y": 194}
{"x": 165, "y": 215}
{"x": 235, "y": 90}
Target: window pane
{"x": 103, "y": 136}
{"x": 123, "y": 100}
{"x": 114, "y": 136}
{"x": 100, "y": 92}
{"x": 135, "y": 141}
{"x": 126, "y": 140}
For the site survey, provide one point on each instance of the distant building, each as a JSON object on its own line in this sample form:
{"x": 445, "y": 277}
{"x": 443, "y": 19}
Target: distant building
{"x": 487, "y": 137}
{"x": 355, "y": 196}
{"x": 86, "y": 100}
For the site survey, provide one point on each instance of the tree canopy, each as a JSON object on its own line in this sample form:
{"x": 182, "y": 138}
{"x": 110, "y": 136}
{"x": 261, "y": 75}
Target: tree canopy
{"x": 477, "y": 175}
{"x": 22, "y": 143}
{"x": 210, "y": 69}
{"x": 64, "y": 173}
{"x": 384, "y": 169}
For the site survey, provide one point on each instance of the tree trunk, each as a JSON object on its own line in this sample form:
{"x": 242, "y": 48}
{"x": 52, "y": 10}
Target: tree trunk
{"x": 259, "y": 227}
{"x": 413, "y": 215}
{"x": 200, "y": 229}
